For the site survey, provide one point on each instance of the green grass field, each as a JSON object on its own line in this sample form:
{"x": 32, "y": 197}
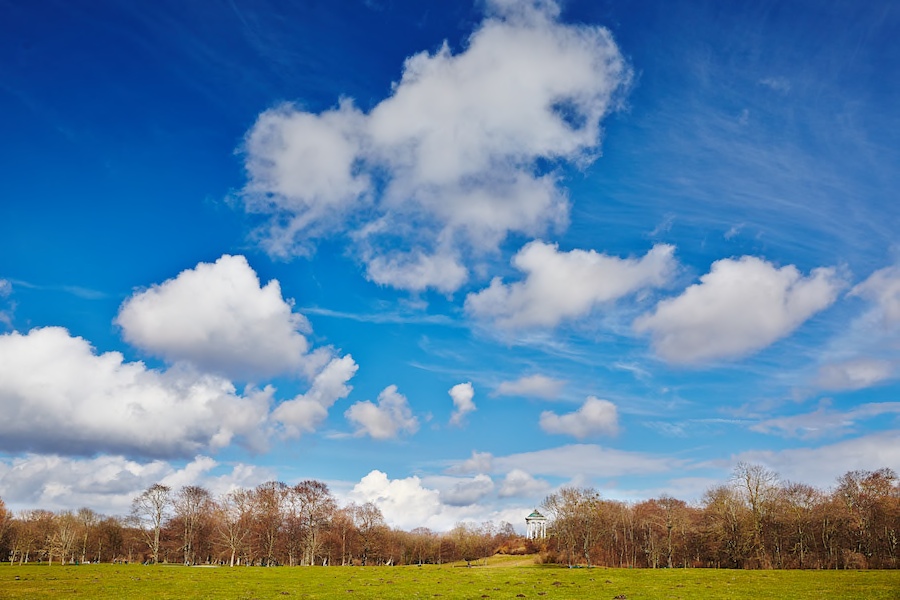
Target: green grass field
{"x": 497, "y": 580}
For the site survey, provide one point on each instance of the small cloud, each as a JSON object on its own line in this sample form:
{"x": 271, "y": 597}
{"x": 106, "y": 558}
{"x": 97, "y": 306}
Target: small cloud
{"x": 462, "y": 395}
{"x": 468, "y": 491}
{"x": 307, "y": 411}
{"x": 854, "y": 374}
{"x": 665, "y": 226}
{"x": 734, "y": 231}
{"x": 882, "y": 288}
{"x": 479, "y": 462}
{"x": 537, "y": 386}
{"x": 385, "y": 420}
{"x": 566, "y": 285}
{"x": 518, "y": 483}
{"x": 83, "y": 292}
{"x": 418, "y": 271}
{"x": 595, "y": 417}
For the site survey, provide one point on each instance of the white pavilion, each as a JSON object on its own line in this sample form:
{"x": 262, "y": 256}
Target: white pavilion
{"x": 535, "y": 526}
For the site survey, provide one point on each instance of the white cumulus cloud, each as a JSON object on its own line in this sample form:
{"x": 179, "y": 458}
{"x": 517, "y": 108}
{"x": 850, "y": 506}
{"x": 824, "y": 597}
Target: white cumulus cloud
{"x": 387, "y": 419}
{"x": 448, "y": 163}
{"x": 307, "y": 411}
{"x": 566, "y": 285}
{"x": 519, "y": 483}
{"x": 58, "y": 395}
{"x": 417, "y": 271}
{"x": 595, "y": 417}
{"x": 218, "y": 317}
{"x": 462, "y": 395}
{"x": 739, "y": 307}
{"x": 410, "y": 502}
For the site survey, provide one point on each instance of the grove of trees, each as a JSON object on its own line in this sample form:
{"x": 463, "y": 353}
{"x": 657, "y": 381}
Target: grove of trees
{"x": 752, "y": 521}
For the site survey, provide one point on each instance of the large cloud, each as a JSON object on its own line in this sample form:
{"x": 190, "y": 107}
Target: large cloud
{"x": 58, "y": 395}
{"x": 566, "y": 285}
{"x": 595, "y": 417}
{"x": 519, "y": 483}
{"x": 738, "y": 308}
{"x": 387, "y": 419}
{"x": 108, "y": 483}
{"x": 218, "y": 318}
{"x": 307, "y": 411}
{"x": 448, "y": 163}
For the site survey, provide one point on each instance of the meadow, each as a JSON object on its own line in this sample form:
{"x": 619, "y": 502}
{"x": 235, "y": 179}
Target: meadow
{"x": 497, "y": 579}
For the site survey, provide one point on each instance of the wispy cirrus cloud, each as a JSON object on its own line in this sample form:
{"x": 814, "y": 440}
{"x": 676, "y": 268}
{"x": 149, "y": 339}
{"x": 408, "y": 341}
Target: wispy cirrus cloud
{"x": 825, "y": 421}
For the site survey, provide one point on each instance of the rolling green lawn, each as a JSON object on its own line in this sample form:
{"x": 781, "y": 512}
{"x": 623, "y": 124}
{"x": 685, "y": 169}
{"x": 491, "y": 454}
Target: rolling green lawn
{"x": 443, "y": 583}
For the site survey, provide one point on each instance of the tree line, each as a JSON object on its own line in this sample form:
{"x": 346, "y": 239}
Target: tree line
{"x": 270, "y": 525}
{"x": 754, "y": 520}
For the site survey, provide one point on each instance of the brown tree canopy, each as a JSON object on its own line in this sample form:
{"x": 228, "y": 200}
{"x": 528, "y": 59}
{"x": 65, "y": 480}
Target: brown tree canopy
{"x": 754, "y": 520}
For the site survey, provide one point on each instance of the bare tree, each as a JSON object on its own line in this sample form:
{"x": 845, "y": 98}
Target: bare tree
{"x": 87, "y": 522}
{"x": 5, "y": 522}
{"x": 148, "y": 511}
{"x": 192, "y": 506}
{"x": 724, "y": 526}
{"x": 575, "y": 519}
{"x": 268, "y": 512}
{"x": 369, "y": 524}
{"x": 317, "y": 507}
{"x": 233, "y": 518}
{"x": 759, "y": 486}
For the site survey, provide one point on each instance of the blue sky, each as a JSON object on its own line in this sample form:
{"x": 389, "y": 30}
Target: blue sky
{"x": 446, "y": 256}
